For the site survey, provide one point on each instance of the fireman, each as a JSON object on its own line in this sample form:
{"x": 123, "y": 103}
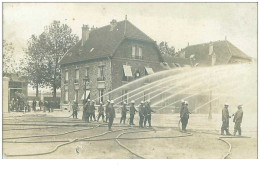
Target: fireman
{"x": 225, "y": 120}
{"x": 238, "y": 120}
{"x": 132, "y": 112}
{"x": 92, "y": 111}
{"x": 101, "y": 112}
{"x": 111, "y": 114}
{"x": 123, "y": 112}
{"x": 148, "y": 112}
{"x": 185, "y": 116}
{"x": 141, "y": 114}
{"x": 75, "y": 109}
{"x": 108, "y": 102}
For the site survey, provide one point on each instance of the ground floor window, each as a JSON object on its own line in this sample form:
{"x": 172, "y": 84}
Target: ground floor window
{"x": 76, "y": 95}
{"x": 101, "y": 97}
{"x": 66, "y": 96}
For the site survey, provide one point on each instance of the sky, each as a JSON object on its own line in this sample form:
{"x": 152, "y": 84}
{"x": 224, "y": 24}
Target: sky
{"x": 176, "y": 23}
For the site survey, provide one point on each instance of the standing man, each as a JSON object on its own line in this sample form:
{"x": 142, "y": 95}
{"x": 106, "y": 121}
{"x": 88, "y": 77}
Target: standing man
{"x": 88, "y": 110}
{"x": 123, "y": 112}
{"x": 148, "y": 111}
{"x": 34, "y": 105}
{"x": 40, "y": 104}
{"x": 185, "y": 116}
{"x": 238, "y": 120}
{"x": 181, "y": 108}
{"x": 75, "y": 109}
{"x": 225, "y": 120}
{"x": 101, "y": 112}
{"x": 108, "y": 102}
{"x": 92, "y": 111}
{"x": 111, "y": 115}
{"x": 141, "y": 114}
{"x": 132, "y": 112}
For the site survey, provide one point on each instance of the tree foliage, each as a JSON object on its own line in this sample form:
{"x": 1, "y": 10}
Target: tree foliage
{"x": 9, "y": 65}
{"x": 165, "y": 49}
{"x": 45, "y": 51}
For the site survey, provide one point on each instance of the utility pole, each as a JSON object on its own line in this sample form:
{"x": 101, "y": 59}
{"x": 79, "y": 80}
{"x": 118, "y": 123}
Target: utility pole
{"x": 213, "y": 60}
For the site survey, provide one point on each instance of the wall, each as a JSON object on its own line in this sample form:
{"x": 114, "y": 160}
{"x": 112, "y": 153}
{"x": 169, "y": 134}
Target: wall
{"x": 93, "y": 83}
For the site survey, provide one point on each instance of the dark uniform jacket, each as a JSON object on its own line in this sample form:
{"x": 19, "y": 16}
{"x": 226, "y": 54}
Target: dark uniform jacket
{"x": 124, "y": 110}
{"x": 185, "y": 113}
{"x": 238, "y": 116}
{"x": 181, "y": 110}
{"x": 88, "y": 108}
{"x": 107, "y": 108}
{"x": 225, "y": 115}
{"x": 132, "y": 109}
{"x": 101, "y": 109}
{"x": 141, "y": 110}
{"x": 148, "y": 109}
{"x": 111, "y": 112}
{"x": 92, "y": 108}
{"x": 75, "y": 106}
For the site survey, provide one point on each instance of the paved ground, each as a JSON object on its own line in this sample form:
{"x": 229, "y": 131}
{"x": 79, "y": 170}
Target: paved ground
{"x": 56, "y": 135}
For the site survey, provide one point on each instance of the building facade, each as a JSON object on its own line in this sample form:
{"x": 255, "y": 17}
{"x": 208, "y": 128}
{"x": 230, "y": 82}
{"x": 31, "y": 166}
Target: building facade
{"x": 105, "y": 59}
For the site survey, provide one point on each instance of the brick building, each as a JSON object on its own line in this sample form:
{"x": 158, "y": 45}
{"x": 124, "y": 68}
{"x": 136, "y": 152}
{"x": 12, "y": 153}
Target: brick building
{"x": 105, "y": 59}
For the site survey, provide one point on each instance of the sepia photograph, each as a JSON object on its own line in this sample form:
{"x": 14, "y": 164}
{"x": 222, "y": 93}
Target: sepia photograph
{"x": 129, "y": 80}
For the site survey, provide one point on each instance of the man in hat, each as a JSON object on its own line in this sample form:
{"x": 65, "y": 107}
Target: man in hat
{"x": 111, "y": 114}
{"x": 123, "y": 112}
{"x": 75, "y": 109}
{"x": 141, "y": 114}
{"x": 148, "y": 113}
{"x": 87, "y": 109}
{"x": 181, "y": 108}
{"x": 108, "y": 102}
{"x": 132, "y": 112}
{"x": 225, "y": 120}
{"x": 185, "y": 116}
{"x": 101, "y": 111}
{"x": 238, "y": 120}
{"x": 92, "y": 111}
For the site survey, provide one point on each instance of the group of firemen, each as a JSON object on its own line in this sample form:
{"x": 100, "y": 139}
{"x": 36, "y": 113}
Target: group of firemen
{"x": 108, "y": 114}
{"x": 237, "y": 119}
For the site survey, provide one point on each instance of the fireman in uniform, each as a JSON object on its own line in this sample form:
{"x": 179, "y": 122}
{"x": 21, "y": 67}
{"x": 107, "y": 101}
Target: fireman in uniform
{"x": 111, "y": 115}
{"x": 225, "y": 120}
{"x": 238, "y": 120}
{"x": 123, "y": 112}
{"x": 101, "y": 112}
{"x": 148, "y": 112}
{"x": 132, "y": 112}
{"x": 181, "y": 108}
{"x": 141, "y": 114}
{"x": 185, "y": 116}
{"x": 75, "y": 109}
{"x": 108, "y": 102}
{"x": 88, "y": 110}
{"x": 92, "y": 111}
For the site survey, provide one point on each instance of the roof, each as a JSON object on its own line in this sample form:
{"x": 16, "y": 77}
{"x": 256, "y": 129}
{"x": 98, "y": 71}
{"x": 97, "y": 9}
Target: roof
{"x": 102, "y": 42}
{"x": 223, "y": 50}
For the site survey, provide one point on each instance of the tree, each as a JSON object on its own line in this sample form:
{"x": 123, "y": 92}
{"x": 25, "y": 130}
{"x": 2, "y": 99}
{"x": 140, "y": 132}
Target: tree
{"x": 56, "y": 40}
{"x": 35, "y": 68}
{"x": 8, "y": 60}
{"x": 165, "y": 49}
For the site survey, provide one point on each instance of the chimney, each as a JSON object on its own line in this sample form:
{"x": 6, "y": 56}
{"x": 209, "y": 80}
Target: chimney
{"x": 113, "y": 24}
{"x": 125, "y": 17}
{"x": 188, "y": 44}
{"x": 85, "y": 34}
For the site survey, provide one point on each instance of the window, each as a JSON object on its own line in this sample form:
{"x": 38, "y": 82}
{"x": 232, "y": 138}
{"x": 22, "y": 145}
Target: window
{"x": 77, "y": 76}
{"x": 66, "y": 76}
{"x": 140, "y": 53}
{"x": 100, "y": 96}
{"x": 66, "y": 96}
{"x": 101, "y": 73}
{"x": 76, "y": 95}
{"x": 127, "y": 75}
{"x": 133, "y": 52}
